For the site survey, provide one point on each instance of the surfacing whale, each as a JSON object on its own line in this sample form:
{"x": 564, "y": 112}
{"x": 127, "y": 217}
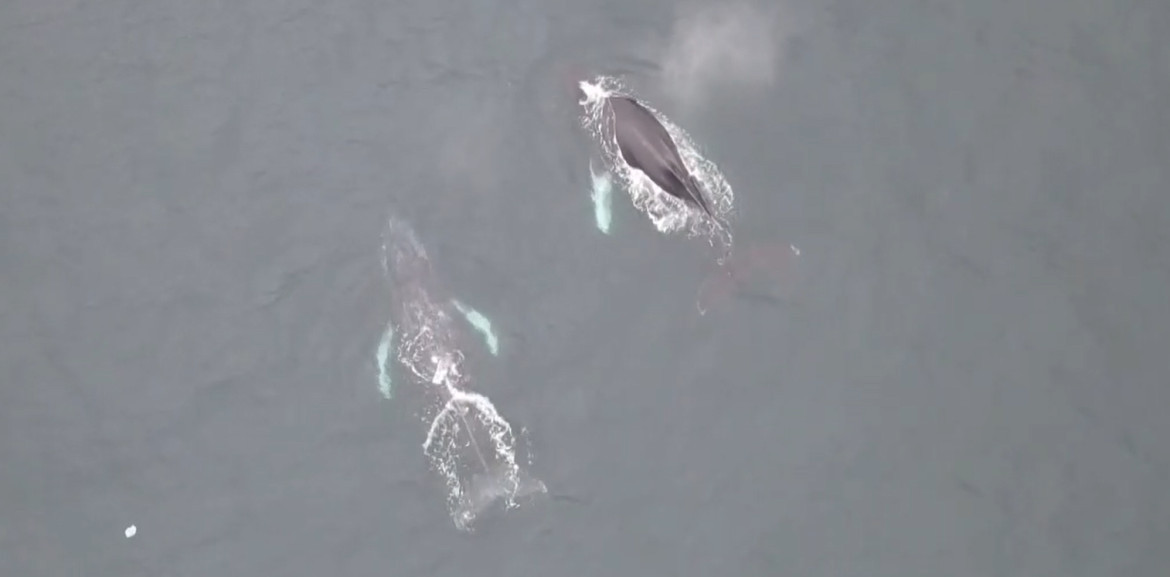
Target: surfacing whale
{"x": 647, "y": 146}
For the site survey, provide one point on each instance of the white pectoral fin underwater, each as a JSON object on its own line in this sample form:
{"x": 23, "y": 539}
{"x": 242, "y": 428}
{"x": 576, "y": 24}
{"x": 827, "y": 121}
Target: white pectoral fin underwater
{"x": 601, "y": 192}
{"x": 481, "y": 324}
{"x": 385, "y": 358}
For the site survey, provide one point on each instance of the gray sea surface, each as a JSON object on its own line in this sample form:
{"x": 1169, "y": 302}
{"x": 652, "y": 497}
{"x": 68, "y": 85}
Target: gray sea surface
{"x": 970, "y": 377}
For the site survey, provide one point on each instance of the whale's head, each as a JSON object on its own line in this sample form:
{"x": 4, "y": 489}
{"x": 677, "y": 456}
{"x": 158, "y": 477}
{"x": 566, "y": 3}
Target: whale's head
{"x": 403, "y": 255}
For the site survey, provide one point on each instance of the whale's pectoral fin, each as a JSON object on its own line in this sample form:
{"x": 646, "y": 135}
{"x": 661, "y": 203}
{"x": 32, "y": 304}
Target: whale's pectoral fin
{"x": 601, "y": 193}
{"x": 385, "y": 357}
{"x": 481, "y": 323}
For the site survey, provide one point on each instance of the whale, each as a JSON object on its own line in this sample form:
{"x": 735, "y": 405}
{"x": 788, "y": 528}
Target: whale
{"x": 646, "y": 146}
{"x": 467, "y": 442}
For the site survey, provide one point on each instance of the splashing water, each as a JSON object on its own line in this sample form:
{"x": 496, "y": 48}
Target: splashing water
{"x": 667, "y": 213}
{"x": 473, "y": 448}
{"x": 468, "y": 443}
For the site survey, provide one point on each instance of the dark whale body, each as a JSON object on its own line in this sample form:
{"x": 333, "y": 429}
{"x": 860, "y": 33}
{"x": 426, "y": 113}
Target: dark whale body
{"x": 646, "y": 145}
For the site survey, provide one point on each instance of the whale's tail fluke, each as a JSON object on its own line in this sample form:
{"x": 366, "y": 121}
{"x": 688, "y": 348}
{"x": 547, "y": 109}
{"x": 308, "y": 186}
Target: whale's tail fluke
{"x": 494, "y": 485}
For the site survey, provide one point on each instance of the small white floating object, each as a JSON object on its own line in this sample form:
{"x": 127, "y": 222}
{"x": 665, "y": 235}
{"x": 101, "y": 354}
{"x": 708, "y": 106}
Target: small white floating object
{"x": 131, "y": 531}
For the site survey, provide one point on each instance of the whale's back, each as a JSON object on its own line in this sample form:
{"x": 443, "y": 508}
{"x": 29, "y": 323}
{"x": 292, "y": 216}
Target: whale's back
{"x": 646, "y": 145}
{"x": 640, "y": 134}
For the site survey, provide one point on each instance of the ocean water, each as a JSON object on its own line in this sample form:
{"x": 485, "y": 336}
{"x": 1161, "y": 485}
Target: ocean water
{"x": 965, "y": 373}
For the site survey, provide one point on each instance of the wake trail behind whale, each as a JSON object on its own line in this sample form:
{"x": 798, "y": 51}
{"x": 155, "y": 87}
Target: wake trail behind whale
{"x": 468, "y": 425}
